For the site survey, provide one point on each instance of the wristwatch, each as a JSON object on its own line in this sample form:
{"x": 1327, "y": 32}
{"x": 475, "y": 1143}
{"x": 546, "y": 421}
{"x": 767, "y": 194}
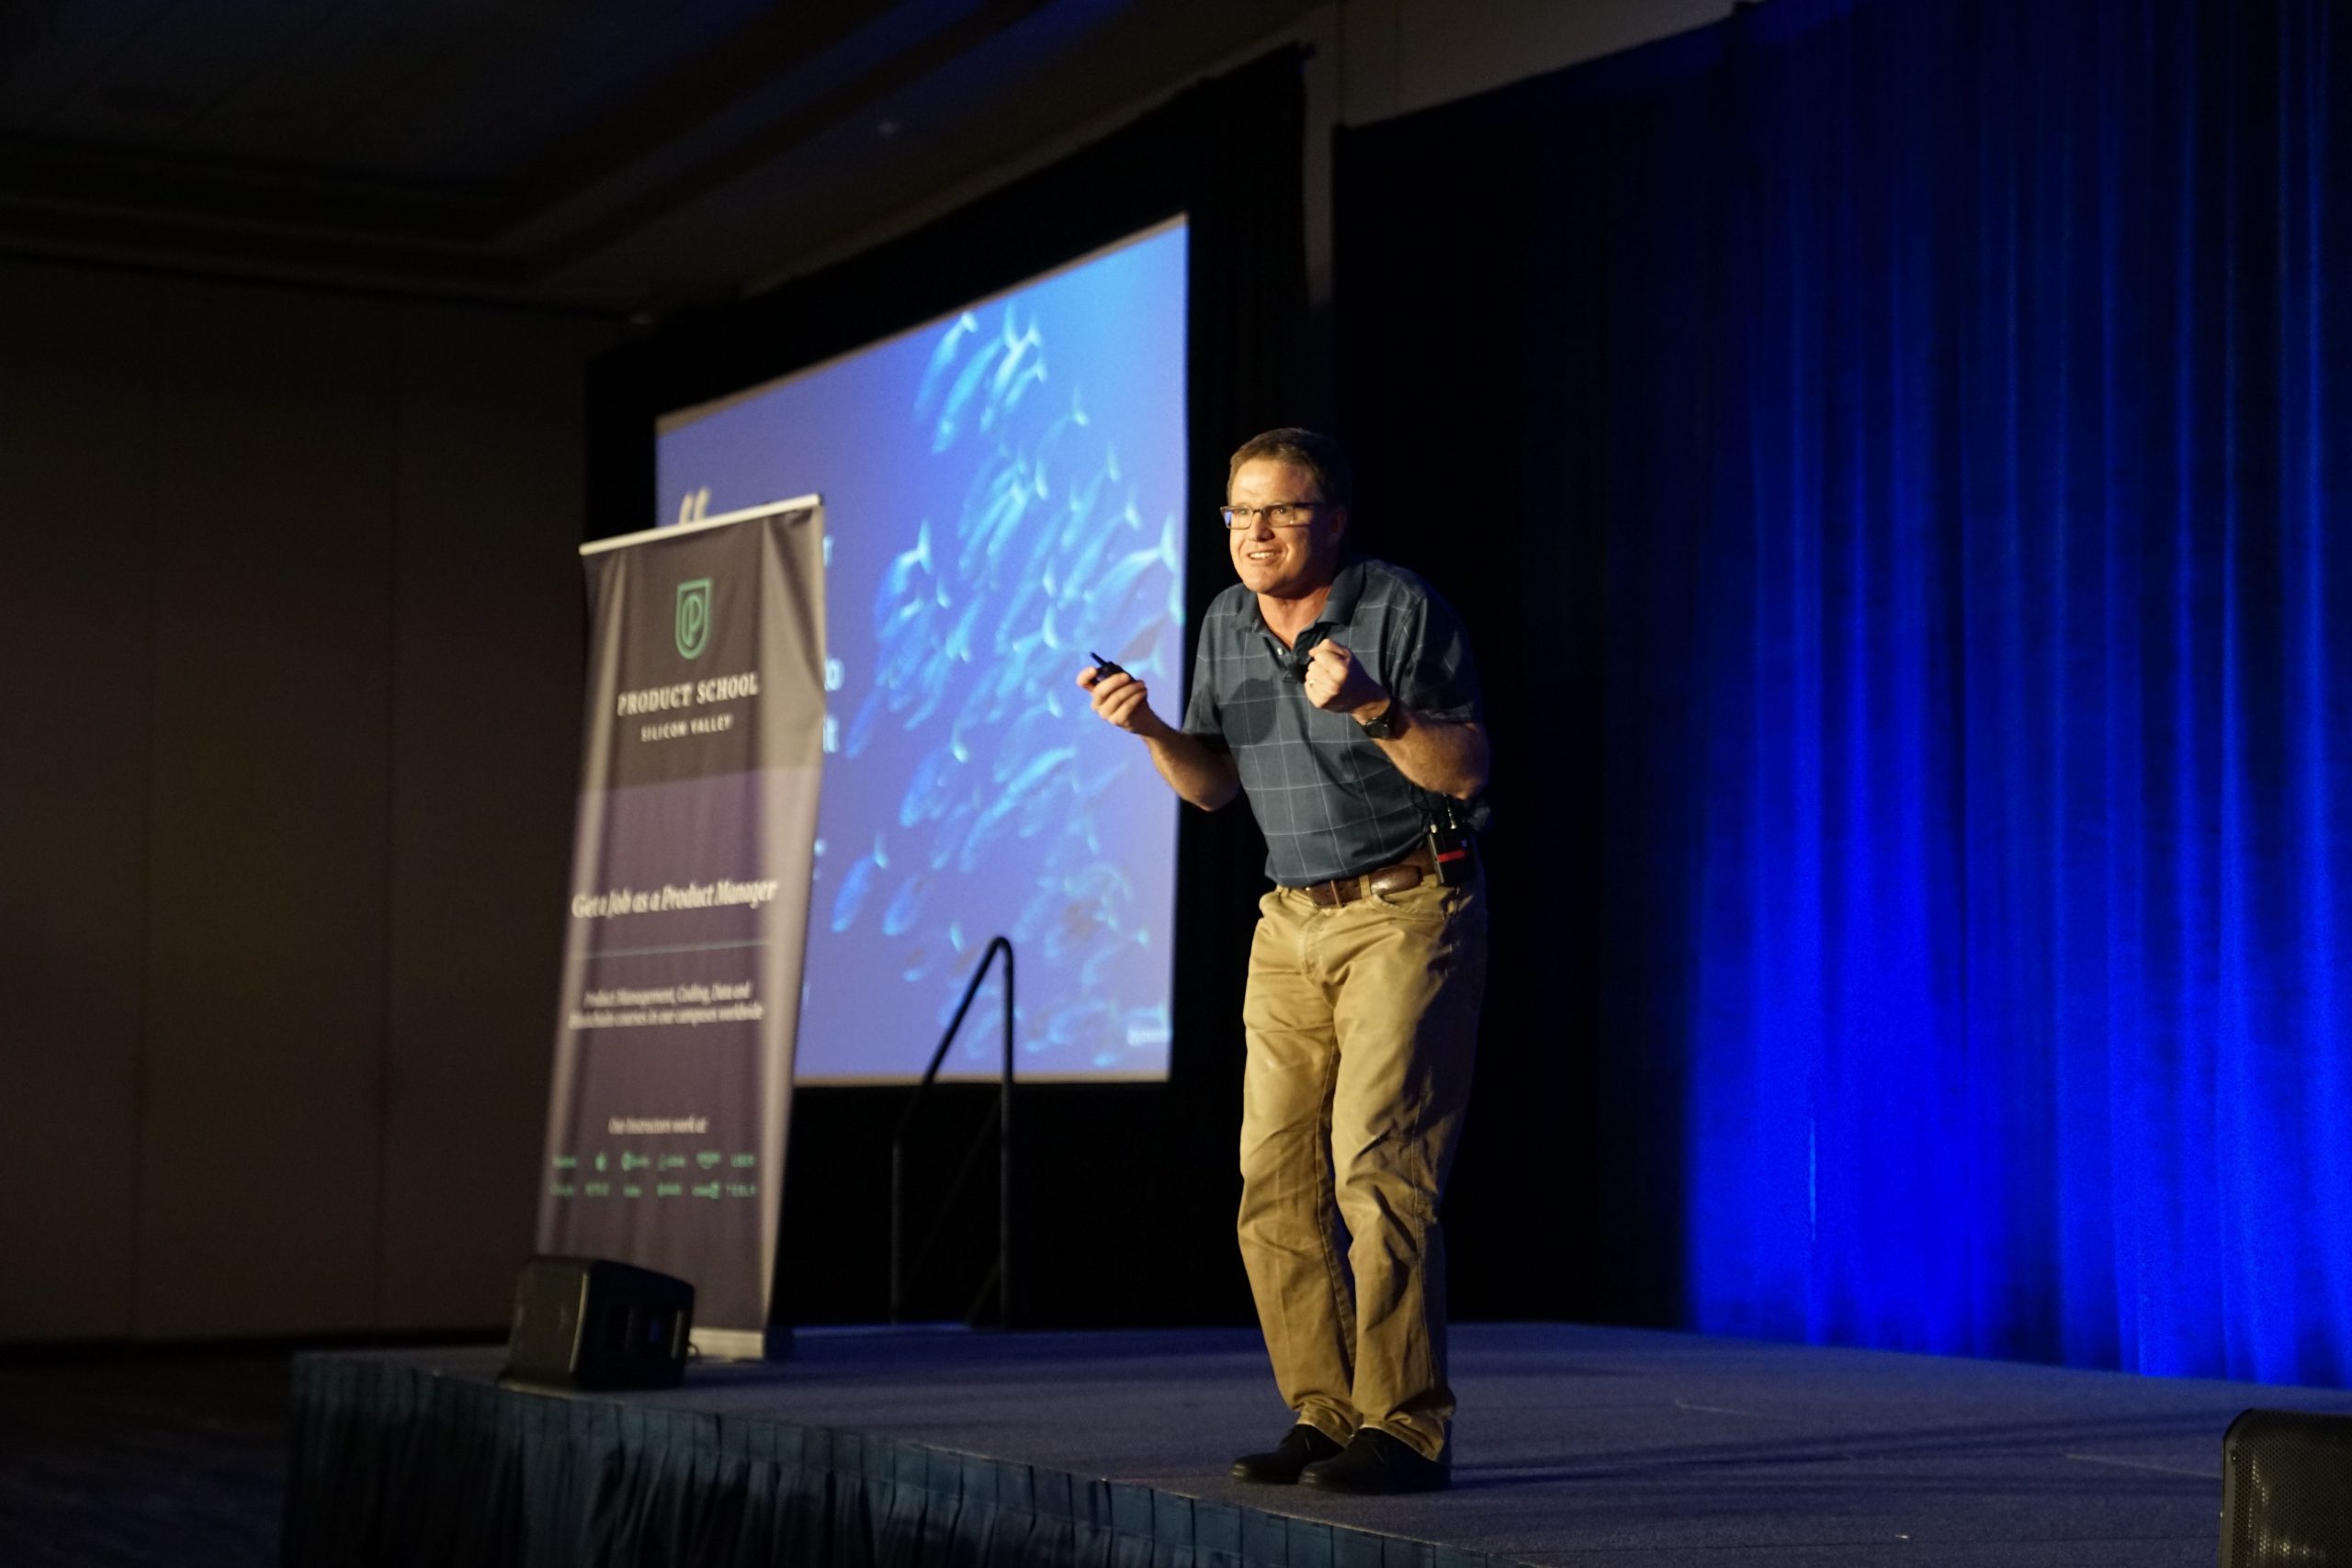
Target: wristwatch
{"x": 1384, "y": 725}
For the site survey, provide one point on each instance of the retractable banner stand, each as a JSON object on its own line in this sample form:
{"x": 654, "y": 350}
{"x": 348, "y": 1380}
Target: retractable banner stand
{"x": 688, "y": 908}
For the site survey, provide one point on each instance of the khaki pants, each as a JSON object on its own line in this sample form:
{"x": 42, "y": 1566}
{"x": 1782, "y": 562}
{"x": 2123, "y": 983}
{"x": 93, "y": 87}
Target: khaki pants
{"x": 1360, "y": 1023}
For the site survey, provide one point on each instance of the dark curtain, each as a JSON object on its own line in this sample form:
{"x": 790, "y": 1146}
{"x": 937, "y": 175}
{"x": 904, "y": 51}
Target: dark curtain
{"x": 1124, "y": 1196}
{"x": 1895, "y": 443}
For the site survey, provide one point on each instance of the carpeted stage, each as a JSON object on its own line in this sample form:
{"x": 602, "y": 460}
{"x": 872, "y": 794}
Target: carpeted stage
{"x": 1577, "y": 1446}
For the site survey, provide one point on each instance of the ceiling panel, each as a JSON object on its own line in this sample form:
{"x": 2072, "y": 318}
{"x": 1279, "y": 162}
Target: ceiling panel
{"x": 161, "y": 78}
{"x": 522, "y": 83}
{"x": 49, "y": 47}
{"x": 605, "y": 153}
{"x": 1070, "y": 66}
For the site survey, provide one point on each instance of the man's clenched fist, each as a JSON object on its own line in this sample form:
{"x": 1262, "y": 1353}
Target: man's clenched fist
{"x": 1336, "y": 682}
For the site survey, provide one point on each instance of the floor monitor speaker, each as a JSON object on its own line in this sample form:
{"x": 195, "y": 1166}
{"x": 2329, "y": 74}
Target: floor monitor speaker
{"x": 2287, "y": 1489}
{"x": 589, "y": 1323}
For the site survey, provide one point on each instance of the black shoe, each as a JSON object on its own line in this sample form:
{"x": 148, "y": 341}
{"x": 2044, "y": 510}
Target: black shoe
{"x": 1280, "y": 1465}
{"x": 1375, "y": 1464}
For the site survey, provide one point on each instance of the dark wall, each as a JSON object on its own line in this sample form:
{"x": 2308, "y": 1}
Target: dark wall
{"x": 289, "y": 606}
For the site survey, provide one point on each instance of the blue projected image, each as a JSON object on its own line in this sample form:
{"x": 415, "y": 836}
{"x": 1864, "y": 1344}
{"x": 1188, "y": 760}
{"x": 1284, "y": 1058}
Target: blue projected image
{"x": 1003, "y": 492}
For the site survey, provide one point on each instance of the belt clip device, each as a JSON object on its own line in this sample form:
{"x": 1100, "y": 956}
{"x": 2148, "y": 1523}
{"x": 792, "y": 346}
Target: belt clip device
{"x": 1452, "y": 845}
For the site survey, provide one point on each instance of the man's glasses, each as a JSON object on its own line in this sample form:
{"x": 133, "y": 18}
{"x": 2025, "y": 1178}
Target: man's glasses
{"x": 1279, "y": 514}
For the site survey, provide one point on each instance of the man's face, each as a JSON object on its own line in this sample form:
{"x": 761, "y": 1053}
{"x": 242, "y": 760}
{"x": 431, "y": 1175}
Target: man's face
{"x": 1282, "y": 563}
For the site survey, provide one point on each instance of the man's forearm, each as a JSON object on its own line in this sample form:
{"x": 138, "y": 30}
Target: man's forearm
{"x": 1439, "y": 755}
{"x": 1201, "y": 773}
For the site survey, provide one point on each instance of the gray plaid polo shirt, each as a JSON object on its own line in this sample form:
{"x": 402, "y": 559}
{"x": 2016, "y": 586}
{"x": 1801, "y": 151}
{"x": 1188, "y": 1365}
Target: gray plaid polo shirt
{"x": 1329, "y": 802}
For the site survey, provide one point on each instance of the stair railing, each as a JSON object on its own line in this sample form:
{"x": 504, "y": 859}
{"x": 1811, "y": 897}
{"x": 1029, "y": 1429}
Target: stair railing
{"x": 903, "y": 1273}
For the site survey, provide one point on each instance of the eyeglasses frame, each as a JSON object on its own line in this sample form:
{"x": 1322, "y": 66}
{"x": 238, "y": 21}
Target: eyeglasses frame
{"x": 1247, "y": 516}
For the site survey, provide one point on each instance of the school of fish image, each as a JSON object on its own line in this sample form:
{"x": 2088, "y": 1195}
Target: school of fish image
{"x": 979, "y": 625}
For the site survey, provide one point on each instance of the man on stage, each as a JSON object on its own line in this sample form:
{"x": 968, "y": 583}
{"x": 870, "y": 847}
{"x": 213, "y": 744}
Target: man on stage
{"x": 1338, "y": 693}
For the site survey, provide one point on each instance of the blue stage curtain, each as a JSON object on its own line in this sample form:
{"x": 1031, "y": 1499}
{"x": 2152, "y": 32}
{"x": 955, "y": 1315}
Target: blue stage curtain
{"x": 1961, "y": 391}
{"x": 2027, "y": 839}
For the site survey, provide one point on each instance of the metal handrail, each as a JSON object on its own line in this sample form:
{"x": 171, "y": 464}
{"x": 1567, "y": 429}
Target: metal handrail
{"x": 1003, "y": 1120}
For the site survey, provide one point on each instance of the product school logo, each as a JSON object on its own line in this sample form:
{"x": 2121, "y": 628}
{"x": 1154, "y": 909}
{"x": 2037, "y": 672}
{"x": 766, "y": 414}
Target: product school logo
{"x": 694, "y": 617}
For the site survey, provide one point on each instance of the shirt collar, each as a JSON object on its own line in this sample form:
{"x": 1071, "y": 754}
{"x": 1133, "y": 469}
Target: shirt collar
{"x": 1347, "y": 587}
{"x": 1339, "y": 606}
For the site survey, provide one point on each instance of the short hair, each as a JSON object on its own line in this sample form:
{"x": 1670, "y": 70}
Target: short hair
{"x": 1310, "y": 449}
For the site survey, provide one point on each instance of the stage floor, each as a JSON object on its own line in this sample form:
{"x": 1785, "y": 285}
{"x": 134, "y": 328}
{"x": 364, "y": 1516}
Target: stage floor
{"x": 1575, "y": 1444}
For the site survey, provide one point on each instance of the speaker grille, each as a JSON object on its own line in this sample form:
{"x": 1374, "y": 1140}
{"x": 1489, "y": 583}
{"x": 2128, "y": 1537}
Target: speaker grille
{"x": 2287, "y": 1491}
{"x": 592, "y": 1322}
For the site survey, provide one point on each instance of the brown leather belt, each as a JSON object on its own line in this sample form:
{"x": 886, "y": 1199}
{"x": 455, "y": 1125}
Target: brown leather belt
{"x": 1406, "y": 873}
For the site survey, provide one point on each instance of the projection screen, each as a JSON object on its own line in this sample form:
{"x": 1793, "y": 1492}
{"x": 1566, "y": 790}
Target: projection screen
{"x": 1004, "y": 495}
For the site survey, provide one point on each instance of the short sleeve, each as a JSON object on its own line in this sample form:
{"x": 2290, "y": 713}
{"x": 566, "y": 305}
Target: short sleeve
{"x": 1202, "y": 711}
{"x": 1439, "y": 678}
